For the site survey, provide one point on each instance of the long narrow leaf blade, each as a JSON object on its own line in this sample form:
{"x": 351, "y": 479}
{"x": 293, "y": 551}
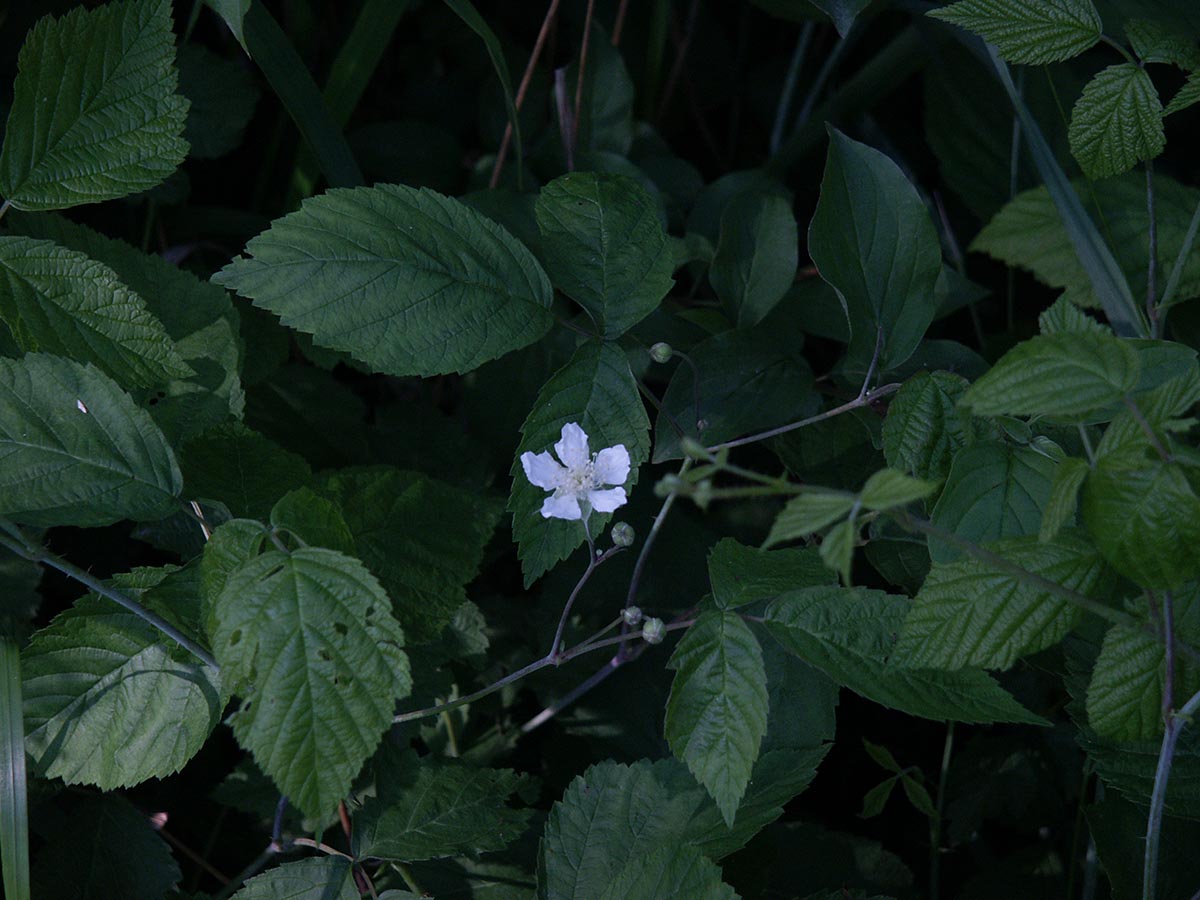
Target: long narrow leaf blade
{"x": 1108, "y": 280}
{"x": 14, "y": 819}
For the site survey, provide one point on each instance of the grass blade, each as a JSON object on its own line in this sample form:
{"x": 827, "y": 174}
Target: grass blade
{"x": 14, "y": 818}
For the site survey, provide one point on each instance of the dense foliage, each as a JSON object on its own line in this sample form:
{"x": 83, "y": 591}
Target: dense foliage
{"x": 590, "y": 450}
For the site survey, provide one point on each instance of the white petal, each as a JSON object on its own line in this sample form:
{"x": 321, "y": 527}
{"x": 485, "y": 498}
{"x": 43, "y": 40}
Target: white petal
{"x": 612, "y": 465}
{"x": 565, "y": 506}
{"x": 542, "y": 470}
{"x": 606, "y": 501}
{"x": 573, "y": 448}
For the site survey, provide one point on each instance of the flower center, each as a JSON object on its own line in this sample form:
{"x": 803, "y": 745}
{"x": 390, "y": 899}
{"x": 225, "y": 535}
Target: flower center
{"x": 580, "y": 479}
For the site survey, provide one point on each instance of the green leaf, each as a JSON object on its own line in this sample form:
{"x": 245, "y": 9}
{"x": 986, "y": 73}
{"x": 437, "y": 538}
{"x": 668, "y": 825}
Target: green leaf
{"x": 1029, "y": 233}
{"x": 837, "y": 548}
{"x": 59, "y": 301}
{"x": 407, "y": 281}
{"x": 849, "y": 633}
{"x": 320, "y": 625}
{"x": 1158, "y": 42}
{"x": 887, "y": 489}
{"x": 595, "y": 389}
{"x": 918, "y": 796}
{"x": 232, "y": 544}
{"x": 1067, "y": 375}
{"x": 198, "y": 317}
{"x": 1125, "y": 695}
{"x": 316, "y": 520}
{"x": 105, "y": 848}
{"x": 108, "y": 700}
{"x": 1186, "y": 96}
{"x": 675, "y": 872}
{"x": 241, "y": 468}
{"x": 876, "y": 798}
{"x": 430, "y": 808}
{"x": 872, "y": 240}
{"x": 717, "y": 712}
{"x": 94, "y": 114}
{"x": 759, "y": 362}
{"x": 1033, "y": 32}
{"x": 89, "y": 468}
{"x": 924, "y": 427}
{"x": 234, "y": 14}
{"x": 808, "y": 514}
{"x": 973, "y": 613}
{"x": 14, "y": 809}
{"x": 603, "y": 247}
{"x": 1145, "y": 517}
{"x": 1116, "y": 122}
{"x": 992, "y": 492}
{"x": 222, "y": 93}
{"x": 1069, "y": 476}
{"x": 1064, "y": 316}
{"x": 323, "y": 878}
{"x": 883, "y": 756}
{"x": 756, "y": 258}
{"x": 742, "y": 575}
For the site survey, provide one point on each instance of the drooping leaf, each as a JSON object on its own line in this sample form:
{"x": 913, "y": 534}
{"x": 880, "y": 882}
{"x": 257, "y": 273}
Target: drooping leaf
{"x": 717, "y": 712}
{"x": 971, "y": 613}
{"x": 872, "y": 239}
{"x": 850, "y": 633}
{"x": 408, "y": 281}
{"x": 59, "y": 301}
{"x": 234, "y": 14}
{"x": 1117, "y": 122}
{"x": 742, "y": 575}
{"x": 756, "y": 258}
{"x": 808, "y": 514}
{"x": 677, "y": 872}
{"x": 75, "y": 448}
{"x": 109, "y": 700}
{"x": 241, "y": 468}
{"x": 95, "y": 114}
{"x": 1067, "y": 376}
{"x": 320, "y": 624}
{"x": 887, "y": 489}
{"x": 837, "y": 548}
{"x": 992, "y": 492}
{"x": 430, "y": 808}
{"x": 596, "y": 390}
{"x": 603, "y": 246}
{"x": 323, "y": 878}
{"x": 924, "y": 427}
{"x": 1033, "y": 32}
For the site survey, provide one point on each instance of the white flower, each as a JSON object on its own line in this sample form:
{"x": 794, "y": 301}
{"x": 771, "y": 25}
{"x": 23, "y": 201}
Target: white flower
{"x": 580, "y": 477}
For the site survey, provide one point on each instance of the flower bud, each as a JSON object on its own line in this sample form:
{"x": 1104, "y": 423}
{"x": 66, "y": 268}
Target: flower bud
{"x": 631, "y": 615}
{"x": 701, "y": 424}
{"x": 653, "y": 631}
{"x": 623, "y": 534}
{"x": 661, "y": 352}
{"x": 696, "y": 450}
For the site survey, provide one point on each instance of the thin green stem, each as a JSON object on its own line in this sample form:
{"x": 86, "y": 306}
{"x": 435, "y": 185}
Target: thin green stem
{"x": 1105, "y": 39}
{"x": 4, "y": 208}
{"x": 1087, "y": 445}
{"x": 935, "y": 842}
{"x": 1152, "y": 262}
{"x": 41, "y": 555}
{"x": 407, "y": 876}
{"x": 857, "y": 403}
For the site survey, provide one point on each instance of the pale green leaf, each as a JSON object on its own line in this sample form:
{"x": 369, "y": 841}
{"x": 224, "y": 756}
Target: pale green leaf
{"x": 603, "y": 247}
{"x": 992, "y": 492}
{"x": 872, "y": 239}
{"x": 321, "y": 626}
{"x": 322, "y": 878}
{"x": 407, "y": 281}
{"x": 1069, "y": 476}
{"x": 60, "y": 301}
{"x": 422, "y": 538}
{"x": 673, "y": 872}
{"x": 1067, "y": 376}
{"x": 973, "y": 613}
{"x": 837, "y": 548}
{"x": 808, "y": 514}
{"x": 430, "y": 808}
{"x": 94, "y": 115}
{"x": 924, "y": 427}
{"x": 1034, "y": 32}
{"x": 75, "y": 450}
{"x": 756, "y": 257}
{"x": 1117, "y": 122}
{"x": 108, "y": 700}
{"x": 717, "y": 711}
{"x": 888, "y": 488}
{"x": 850, "y": 634}
{"x": 741, "y": 574}
{"x": 596, "y": 390}
{"x": 241, "y": 468}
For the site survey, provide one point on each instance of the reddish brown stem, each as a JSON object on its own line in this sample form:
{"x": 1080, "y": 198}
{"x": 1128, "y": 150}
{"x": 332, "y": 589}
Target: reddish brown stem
{"x": 583, "y": 51}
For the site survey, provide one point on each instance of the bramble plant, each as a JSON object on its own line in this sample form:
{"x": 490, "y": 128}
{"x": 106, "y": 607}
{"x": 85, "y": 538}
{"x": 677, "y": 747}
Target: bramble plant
{"x": 436, "y": 462}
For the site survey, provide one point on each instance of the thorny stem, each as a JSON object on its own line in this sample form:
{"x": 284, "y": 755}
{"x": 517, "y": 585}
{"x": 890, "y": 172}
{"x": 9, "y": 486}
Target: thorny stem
{"x": 564, "y": 116}
{"x": 41, "y": 555}
{"x": 583, "y": 52}
{"x": 594, "y": 561}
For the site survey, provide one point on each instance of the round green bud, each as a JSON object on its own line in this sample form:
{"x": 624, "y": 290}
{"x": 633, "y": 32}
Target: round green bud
{"x": 661, "y": 352}
{"x": 631, "y": 615}
{"x": 623, "y": 534}
{"x": 653, "y": 631}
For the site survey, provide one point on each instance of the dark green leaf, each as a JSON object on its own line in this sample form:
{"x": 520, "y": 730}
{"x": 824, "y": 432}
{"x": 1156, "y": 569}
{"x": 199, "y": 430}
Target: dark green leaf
{"x": 421, "y": 284}
{"x": 222, "y": 94}
{"x": 320, "y": 624}
{"x": 14, "y": 806}
{"x": 741, "y": 574}
{"x": 76, "y": 449}
{"x": 234, "y": 14}
{"x": 850, "y": 633}
{"x": 241, "y": 468}
{"x": 316, "y": 520}
{"x": 673, "y": 872}
{"x": 1157, "y": 41}
{"x": 604, "y": 247}
{"x": 1069, "y": 476}
{"x": 924, "y": 427}
{"x": 971, "y": 613}
{"x": 1186, "y": 96}
{"x": 756, "y": 257}
{"x": 323, "y": 878}
{"x": 887, "y": 489}
{"x": 876, "y": 798}
{"x": 808, "y": 514}
{"x": 1034, "y": 32}
{"x": 1117, "y": 122}
{"x": 872, "y": 239}
{"x": 837, "y": 548}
